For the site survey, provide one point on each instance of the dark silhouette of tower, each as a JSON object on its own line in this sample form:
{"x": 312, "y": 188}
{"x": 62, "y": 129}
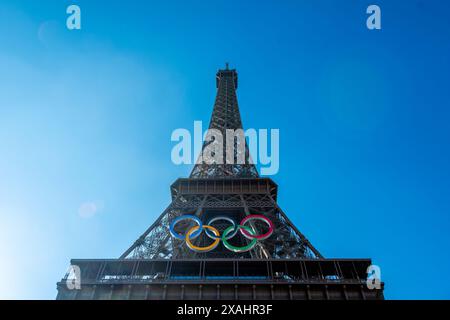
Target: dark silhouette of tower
{"x": 239, "y": 243}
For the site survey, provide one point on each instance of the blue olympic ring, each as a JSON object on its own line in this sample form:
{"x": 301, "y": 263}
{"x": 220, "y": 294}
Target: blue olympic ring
{"x": 186, "y": 217}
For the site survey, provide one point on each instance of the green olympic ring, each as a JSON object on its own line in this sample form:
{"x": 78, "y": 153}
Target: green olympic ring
{"x": 230, "y": 247}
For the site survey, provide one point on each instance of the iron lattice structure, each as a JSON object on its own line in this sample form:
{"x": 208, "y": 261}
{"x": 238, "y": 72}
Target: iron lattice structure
{"x": 235, "y": 190}
{"x": 226, "y": 116}
{"x": 283, "y": 266}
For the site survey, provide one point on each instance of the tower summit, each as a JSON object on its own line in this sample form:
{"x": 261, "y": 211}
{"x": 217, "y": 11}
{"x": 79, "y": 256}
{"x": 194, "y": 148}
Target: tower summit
{"x": 226, "y": 116}
{"x": 223, "y": 236}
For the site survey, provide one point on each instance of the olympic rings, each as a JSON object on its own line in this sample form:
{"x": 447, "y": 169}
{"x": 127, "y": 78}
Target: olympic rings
{"x": 229, "y": 232}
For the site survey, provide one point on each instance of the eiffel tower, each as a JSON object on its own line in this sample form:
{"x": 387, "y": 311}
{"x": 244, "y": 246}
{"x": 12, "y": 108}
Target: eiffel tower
{"x": 197, "y": 250}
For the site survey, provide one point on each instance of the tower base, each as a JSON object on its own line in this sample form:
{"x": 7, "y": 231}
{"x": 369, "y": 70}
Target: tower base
{"x": 220, "y": 279}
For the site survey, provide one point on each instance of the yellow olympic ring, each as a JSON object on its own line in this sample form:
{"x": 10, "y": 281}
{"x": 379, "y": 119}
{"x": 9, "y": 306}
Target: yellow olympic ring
{"x": 202, "y": 249}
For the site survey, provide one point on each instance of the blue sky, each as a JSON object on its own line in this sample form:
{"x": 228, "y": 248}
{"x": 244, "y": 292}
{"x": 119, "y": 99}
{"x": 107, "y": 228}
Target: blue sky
{"x": 86, "y": 118}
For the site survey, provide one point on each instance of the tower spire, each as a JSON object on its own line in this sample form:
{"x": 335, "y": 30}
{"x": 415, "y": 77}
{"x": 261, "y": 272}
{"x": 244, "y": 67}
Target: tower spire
{"x": 226, "y": 119}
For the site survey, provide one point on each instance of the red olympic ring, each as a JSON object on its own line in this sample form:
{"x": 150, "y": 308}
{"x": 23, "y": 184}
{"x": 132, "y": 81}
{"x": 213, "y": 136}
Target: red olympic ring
{"x": 261, "y": 218}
